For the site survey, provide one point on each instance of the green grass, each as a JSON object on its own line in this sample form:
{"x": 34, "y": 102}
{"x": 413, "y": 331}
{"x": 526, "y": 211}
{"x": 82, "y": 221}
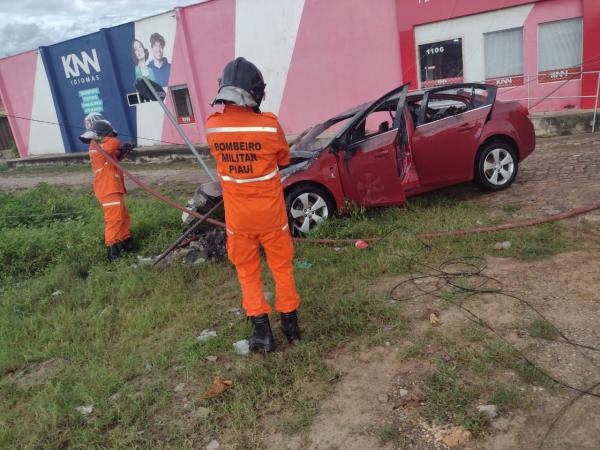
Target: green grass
{"x": 507, "y": 397}
{"x": 543, "y": 329}
{"x": 389, "y": 433}
{"x": 450, "y": 398}
{"x": 114, "y": 321}
{"x": 510, "y": 208}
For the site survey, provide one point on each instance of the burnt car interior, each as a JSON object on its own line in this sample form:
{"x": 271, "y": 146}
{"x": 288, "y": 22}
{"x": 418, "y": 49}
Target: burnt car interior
{"x": 447, "y": 103}
{"x": 379, "y": 121}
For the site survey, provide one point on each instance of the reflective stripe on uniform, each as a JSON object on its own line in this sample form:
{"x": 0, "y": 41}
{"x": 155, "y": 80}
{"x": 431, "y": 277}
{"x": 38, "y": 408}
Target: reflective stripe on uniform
{"x": 111, "y": 203}
{"x": 241, "y": 130}
{"x": 284, "y": 227}
{"x": 250, "y": 180}
{"x": 93, "y": 151}
{"x": 98, "y": 170}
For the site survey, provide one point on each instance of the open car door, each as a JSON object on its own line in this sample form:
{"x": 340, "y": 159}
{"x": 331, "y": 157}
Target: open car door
{"x": 369, "y": 148}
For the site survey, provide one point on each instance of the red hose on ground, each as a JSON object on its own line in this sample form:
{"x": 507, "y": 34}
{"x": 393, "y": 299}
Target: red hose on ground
{"x": 510, "y": 226}
{"x": 151, "y": 191}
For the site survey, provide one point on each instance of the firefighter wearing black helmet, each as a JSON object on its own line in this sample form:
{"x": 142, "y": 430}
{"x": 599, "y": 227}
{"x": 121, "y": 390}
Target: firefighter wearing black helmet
{"x": 248, "y": 146}
{"x": 109, "y": 187}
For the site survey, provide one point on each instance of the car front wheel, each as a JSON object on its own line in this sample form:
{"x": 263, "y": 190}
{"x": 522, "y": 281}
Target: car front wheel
{"x": 307, "y": 207}
{"x": 497, "y": 166}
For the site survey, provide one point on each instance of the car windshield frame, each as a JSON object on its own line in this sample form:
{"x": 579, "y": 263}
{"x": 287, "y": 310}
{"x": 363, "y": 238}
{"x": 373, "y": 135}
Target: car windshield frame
{"x": 307, "y": 137}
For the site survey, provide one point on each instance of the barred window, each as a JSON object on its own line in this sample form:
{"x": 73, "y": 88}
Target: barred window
{"x": 183, "y": 104}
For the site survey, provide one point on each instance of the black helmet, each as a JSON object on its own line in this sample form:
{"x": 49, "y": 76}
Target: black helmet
{"x": 100, "y": 128}
{"x": 242, "y": 74}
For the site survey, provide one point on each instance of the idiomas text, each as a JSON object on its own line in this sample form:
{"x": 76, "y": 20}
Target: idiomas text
{"x": 82, "y": 68}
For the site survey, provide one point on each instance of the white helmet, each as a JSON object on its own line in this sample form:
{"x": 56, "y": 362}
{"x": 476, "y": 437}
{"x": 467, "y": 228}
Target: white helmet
{"x": 92, "y": 118}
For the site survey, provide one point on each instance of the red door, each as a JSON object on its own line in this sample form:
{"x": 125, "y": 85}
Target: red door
{"x": 369, "y": 165}
{"x": 370, "y": 173}
{"x": 448, "y": 136}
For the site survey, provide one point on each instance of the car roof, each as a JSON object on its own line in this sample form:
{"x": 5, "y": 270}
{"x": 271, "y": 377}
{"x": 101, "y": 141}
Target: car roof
{"x": 420, "y": 92}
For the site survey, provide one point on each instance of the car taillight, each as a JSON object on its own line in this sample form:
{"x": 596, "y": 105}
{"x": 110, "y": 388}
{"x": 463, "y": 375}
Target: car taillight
{"x": 524, "y": 110}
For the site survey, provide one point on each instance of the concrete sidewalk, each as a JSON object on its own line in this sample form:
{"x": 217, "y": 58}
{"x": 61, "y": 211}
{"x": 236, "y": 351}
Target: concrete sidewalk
{"x": 564, "y": 123}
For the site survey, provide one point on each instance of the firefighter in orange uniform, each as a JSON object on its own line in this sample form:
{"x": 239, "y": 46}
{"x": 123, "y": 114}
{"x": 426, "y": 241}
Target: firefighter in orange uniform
{"x": 248, "y": 147}
{"x": 109, "y": 186}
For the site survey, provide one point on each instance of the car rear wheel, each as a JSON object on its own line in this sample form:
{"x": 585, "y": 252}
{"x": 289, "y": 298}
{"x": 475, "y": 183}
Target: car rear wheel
{"x": 307, "y": 207}
{"x": 497, "y": 166}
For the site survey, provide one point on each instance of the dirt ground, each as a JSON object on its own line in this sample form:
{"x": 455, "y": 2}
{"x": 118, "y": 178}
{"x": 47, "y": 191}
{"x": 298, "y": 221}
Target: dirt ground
{"x": 156, "y": 175}
{"x": 562, "y": 174}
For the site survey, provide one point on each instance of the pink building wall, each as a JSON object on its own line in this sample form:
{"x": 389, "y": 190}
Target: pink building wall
{"x": 17, "y": 78}
{"x": 346, "y": 54}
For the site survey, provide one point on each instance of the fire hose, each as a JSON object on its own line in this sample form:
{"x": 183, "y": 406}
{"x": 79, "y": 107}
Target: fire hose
{"x": 113, "y": 162}
{"x": 432, "y": 235}
{"x": 511, "y": 226}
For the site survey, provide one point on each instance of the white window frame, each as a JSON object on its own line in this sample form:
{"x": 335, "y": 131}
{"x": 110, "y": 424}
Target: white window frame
{"x": 539, "y": 41}
{"x": 180, "y": 87}
{"x": 488, "y": 77}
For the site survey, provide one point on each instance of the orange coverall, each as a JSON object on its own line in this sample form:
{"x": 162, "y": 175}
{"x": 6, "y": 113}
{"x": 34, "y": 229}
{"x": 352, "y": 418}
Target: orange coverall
{"x": 248, "y": 147}
{"x": 109, "y": 187}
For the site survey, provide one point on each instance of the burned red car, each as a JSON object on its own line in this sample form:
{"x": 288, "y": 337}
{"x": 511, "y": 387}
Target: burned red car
{"x": 402, "y": 145}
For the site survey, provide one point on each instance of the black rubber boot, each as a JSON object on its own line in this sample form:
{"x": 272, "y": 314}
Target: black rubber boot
{"x": 114, "y": 251}
{"x": 128, "y": 245}
{"x": 289, "y": 326}
{"x": 262, "y": 337}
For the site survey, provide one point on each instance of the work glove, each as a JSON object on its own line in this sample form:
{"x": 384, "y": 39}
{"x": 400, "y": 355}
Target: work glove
{"x": 126, "y": 151}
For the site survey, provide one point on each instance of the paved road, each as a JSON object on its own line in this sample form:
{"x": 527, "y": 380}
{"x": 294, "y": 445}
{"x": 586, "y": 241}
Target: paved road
{"x": 563, "y": 173}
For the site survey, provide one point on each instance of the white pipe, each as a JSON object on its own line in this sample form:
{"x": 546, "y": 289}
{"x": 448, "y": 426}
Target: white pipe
{"x": 179, "y": 129}
{"x": 596, "y": 105}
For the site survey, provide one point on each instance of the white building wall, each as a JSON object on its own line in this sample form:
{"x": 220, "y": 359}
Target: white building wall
{"x": 44, "y": 135}
{"x": 265, "y": 33}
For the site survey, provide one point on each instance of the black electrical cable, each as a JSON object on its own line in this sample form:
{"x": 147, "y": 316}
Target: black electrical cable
{"x": 447, "y": 277}
{"x": 563, "y": 410}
